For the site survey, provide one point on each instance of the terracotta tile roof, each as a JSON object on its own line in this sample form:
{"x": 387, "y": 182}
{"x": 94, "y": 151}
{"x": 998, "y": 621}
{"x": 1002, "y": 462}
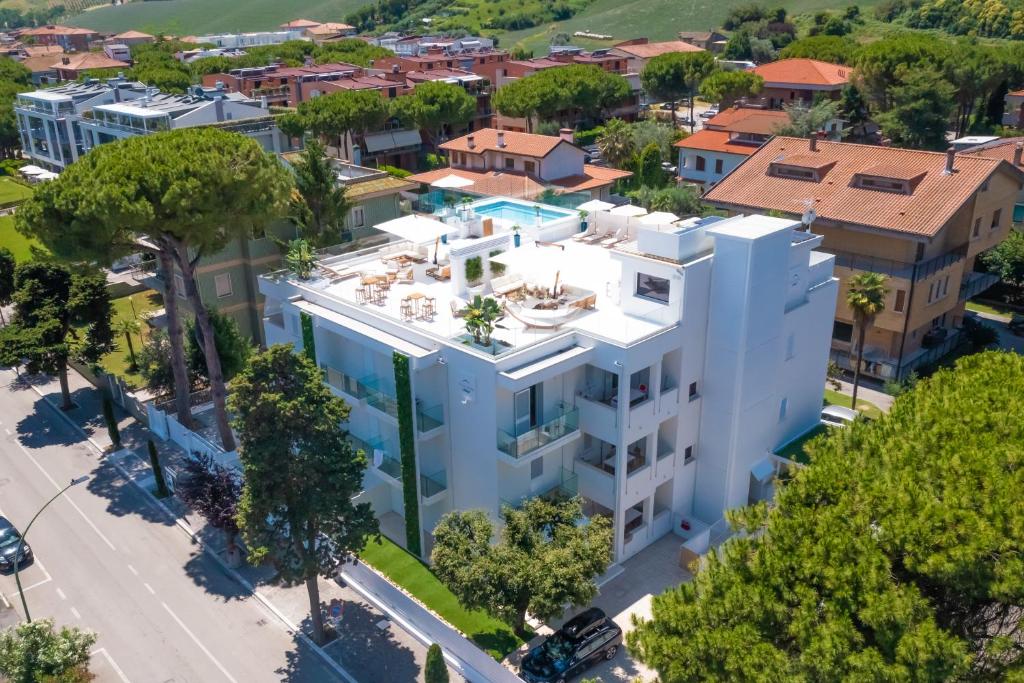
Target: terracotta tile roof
{"x": 329, "y": 28}
{"x": 38, "y": 64}
{"x": 748, "y": 120}
{"x": 648, "y": 50}
{"x": 931, "y": 204}
{"x": 808, "y": 72}
{"x": 525, "y": 144}
{"x": 54, "y": 30}
{"x": 998, "y": 149}
{"x": 1016, "y": 93}
{"x": 592, "y": 178}
{"x": 489, "y": 183}
{"x": 300, "y": 23}
{"x": 88, "y": 60}
{"x": 42, "y": 50}
{"x": 716, "y": 141}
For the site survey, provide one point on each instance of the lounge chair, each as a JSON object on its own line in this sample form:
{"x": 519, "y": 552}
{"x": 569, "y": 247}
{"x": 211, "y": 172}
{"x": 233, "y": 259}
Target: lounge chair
{"x": 457, "y": 306}
{"x": 507, "y": 284}
{"x": 590, "y": 232}
{"x": 404, "y": 277}
{"x": 621, "y": 236}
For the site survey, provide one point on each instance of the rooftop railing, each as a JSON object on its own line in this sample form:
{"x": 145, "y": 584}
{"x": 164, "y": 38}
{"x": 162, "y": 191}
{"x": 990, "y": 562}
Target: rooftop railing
{"x": 433, "y": 484}
{"x": 378, "y": 394}
{"x": 429, "y": 418}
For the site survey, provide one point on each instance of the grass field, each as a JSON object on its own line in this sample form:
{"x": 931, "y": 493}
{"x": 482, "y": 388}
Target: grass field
{"x": 795, "y": 449}
{"x": 128, "y": 307}
{"x": 979, "y": 307}
{"x": 11, "y": 191}
{"x": 20, "y": 246}
{"x": 195, "y": 17}
{"x": 494, "y": 636}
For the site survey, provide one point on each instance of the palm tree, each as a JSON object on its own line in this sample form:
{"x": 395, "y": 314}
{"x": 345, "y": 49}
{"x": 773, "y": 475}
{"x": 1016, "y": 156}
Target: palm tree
{"x": 479, "y": 317}
{"x": 866, "y": 298}
{"x": 128, "y": 327}
{"x": 616, "y": 142}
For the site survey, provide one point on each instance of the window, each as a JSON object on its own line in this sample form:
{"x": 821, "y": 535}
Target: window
{"x": 842, "y": 331}
{"x": 536, "y": 468}
{"x": 222, "y": 283}
{"x": 997, "y": 218}
{"x": 530, "y": 166}
{"x": 700, "y": 163}
{"x": 945, "y": 286}
{"x": 931, "y": 292}
{"x": 510, "y": 163}
{"x": 782, "y": 409}
{"x": 358, "y": 218}
{"x": 718, "y": 166}
{"x": 693, "y": 391}
{"x": 901, "y": 300}
{"x": 688, "y": 455}
{"x": 651, "y": 287}
{"x": 920, "y": 251}
{"x": 791, "y": 346}
{"x": 977, "y": 227}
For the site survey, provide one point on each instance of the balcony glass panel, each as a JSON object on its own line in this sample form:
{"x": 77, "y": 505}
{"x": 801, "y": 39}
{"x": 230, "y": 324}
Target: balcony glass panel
{"x": 433, "y": 484}
{"x": 378, "y": 394}
{"x": 338, "y": 379}
{"x": 429, "y": 418}
{"x": 564, "y": 422}
{"x": 567, "y": 488}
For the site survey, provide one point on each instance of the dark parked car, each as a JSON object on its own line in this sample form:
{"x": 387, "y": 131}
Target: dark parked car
{"x": 9, "y": 539}
{"x": 583, "y": 641}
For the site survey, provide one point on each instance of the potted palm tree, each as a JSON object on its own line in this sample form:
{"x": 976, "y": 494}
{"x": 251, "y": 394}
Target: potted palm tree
{"x": 479, "y": 317}
{"x": 583, "y": 221}
{"x": 301, "y": 258}
{"x": 516, "y": 239}
{"x": 866, "y": 299}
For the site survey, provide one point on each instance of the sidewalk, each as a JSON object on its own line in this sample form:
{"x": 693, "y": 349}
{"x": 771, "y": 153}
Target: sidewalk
{"x": 371, "y": 648}
{"x": 869, "y": 394}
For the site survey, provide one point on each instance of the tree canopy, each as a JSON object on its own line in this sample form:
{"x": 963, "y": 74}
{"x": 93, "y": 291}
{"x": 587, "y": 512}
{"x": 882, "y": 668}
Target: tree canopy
{"x": 806, "y": 121}
{"x": 300, "y": 472}
{"x": 39, "y": 651}
{"x": 436, "y": 105}
{"x": 921, "y": 104}
{"x": 233, "y": 347}
{"x": 319, "y": 205}
{"x": 825, "y": 48}
{"x": 558, "y": 94}
{"x": 725, "y": 87}
{"x": 542, "y": 561}
{"x": 345, "y": 111}
{"x": 1006, "y": 259}
{"x": 896, "y": 555}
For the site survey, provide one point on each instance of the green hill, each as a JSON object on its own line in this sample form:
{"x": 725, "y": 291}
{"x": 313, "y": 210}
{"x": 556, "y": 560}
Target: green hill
{"x": 197, "y": 17}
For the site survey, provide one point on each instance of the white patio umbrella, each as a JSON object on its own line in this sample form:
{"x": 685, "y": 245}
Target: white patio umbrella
{"x": 31, "y": 169}
{"x": 46, "y": 175}
{"x": 415, "y": 228}
{"x": 451, "y": 182}
{"x": 659, "y": 218}
{"x": 628, "y": 210}
{"x": 595, "y": 205}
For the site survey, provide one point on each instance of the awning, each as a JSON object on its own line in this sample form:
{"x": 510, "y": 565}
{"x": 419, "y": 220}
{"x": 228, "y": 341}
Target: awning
{"x": 397, "y": 139}
{"x": 46, "y": 175}
{"x": 628, "y": 210}
{"x": 451, "y": 181}
{"x": 31, "y": 170}
{"x": 659, "y": 218}
{"x": 595, "y": 205}
{"x": 415, "y": 228}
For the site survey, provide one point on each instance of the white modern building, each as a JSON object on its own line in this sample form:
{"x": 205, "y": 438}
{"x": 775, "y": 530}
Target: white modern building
{"x": 648, "y": 364}
{"x": 243, "y": 40}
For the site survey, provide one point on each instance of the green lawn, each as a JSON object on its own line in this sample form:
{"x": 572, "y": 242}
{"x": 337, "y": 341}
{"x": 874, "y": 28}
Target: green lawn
{"x": 794, "y": 450}
{"x": 128, "y": 307}
{"x": 867, "y": 408}
{"x": 19, "y": 245}
{"x": 979, "y": 307}
{"x": 11, "y": 191}
{"x": 494, "y": 636}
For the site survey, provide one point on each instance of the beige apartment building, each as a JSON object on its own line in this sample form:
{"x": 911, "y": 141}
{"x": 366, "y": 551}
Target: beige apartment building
{"x": 920, "y": 218}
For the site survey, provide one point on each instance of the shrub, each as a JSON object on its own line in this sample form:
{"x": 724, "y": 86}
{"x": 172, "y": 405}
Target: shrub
{"x": 474, "y": 269}
{"x": 396, "y": 172}
{"x": 435, "y": 670}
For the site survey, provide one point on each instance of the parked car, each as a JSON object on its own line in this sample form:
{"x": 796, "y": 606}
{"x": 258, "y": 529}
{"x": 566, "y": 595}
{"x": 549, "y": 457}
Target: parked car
{"x": 1017, "y": 325}
{"x": 710, "y": 112}
{"x": 9, "y": 541}
{"x": 838, "y": 416}
{"x": 583, "y": 641}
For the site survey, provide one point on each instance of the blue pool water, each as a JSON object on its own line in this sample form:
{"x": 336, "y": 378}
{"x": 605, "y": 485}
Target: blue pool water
{"x": 522, "y": 214}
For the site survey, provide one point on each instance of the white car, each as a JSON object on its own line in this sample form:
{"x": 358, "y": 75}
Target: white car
{"x": 838, "y": 416}
{"x": 710, "y": 113}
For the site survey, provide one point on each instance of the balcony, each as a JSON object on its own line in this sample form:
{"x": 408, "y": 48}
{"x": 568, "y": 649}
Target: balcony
{"x": 567, "y": 487}
{"x": 380, "y": 456}
{"x": 433, "y": 485}
{"x": 595, "y": 483}
{"x": 975, "y": 283}
{"x": 378, "y": 395}
{"x": 429, "y": 419}
{"x": 346, "y": 384}
{"x": 564, "y": 423}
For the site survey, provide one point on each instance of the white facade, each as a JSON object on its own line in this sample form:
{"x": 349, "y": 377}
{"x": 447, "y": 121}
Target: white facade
{"x": 706, "y": 167}
{"x": 660, "y": 378}
{"x": 242, "y": 40}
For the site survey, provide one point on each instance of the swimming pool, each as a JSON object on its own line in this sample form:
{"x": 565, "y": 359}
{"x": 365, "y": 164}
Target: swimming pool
{"x": 520, "y": 214}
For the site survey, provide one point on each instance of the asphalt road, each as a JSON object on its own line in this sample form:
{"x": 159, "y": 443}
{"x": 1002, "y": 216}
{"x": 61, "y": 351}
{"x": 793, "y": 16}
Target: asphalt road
{"x": 110, "y": 561}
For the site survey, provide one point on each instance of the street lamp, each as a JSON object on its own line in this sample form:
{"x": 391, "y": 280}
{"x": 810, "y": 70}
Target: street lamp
{"x": 21, "y": 542}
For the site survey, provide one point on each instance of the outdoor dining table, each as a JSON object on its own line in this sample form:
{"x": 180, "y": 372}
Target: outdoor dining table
{"x": 424, "y": 305}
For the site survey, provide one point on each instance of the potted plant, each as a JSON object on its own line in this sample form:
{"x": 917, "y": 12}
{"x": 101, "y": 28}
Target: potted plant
{"x": 536, "y": 211}
{"x": 474, "y": 274}
{"x": 466, "y": 211}
{"x": 479, "y": 317}
{"x": 496, "y": 267}
{"x": 449, "y": 204}
{"x": 301, "y": 258}
{"x": 583, "y": 221}
{"x": 516, "y": 239}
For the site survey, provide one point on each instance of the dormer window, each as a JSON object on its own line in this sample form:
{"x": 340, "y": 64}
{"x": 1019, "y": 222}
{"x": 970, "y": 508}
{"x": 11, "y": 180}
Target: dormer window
{"x": 887, "y": 184}
{"x": 794, "y": 172}
{"x": 888, "y": 179}
{"x": 801, "y": 167}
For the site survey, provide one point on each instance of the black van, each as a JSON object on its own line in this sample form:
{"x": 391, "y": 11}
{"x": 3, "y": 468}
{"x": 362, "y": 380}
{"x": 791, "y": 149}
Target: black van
{"x": 583, "y": 641}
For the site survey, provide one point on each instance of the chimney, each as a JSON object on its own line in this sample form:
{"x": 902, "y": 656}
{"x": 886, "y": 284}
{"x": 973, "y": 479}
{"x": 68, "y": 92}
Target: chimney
{"x": 1017, "y": 150}
{"x": 470, "y": 142}
{"x": 567, "y": 134}
{"x": 65, "y": 60}
{"x": 813, "y": 142}
{"x": 950, "y": 160}
{"x": 218, "y": 107}
{"x": 501, "y": 138}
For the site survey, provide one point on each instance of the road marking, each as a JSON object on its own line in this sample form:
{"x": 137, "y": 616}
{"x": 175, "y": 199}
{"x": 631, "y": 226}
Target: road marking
{"x": 149, "y": 588}
{"x": 133, "y": 570}
{"x": 199, "y": 643}
{"x": 77, "y": 615}
{"x": 3, "y": 599}
{"x": 110, "y": 660}
{"x": 69, "y": 501}
{"x": 61, "y": 594}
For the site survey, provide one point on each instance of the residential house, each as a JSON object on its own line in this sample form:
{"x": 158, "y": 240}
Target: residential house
{"x": 189, "y": 56}
{"x": 1009, "y": 150}
{"x": 485, "y": 62}
{"x": 919, "y": 218}
{"x": 1013, "y": 111}
{"x": 727, "y": 139}
{"x": 329, "y": 31}
{"x": 476, "y": 86}
{"x": 131, "y": 38}
{"x": 799, "y": 81}
{"x": 39, "y": 50}
{"x": 118, "y": 52}
{"x": 227, "y": 280}
{"x": 244, "y": 40}
{"x": 71, "y": 67}
{"x": 299, "y": 25}
{"x": 652, "y": 377}
{"x": 281, "y": 85}
{"x": 639, "y": 51}
{"x": 493, "y": 162}
{"x": 41, "y": 68}
{"x": 712, "y": 41}
{"x": 70, "y": 38}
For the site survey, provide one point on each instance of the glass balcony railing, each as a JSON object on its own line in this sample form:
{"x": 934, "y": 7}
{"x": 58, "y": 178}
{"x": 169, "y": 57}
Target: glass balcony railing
{"x": 378, "y": 394}
{"x": 380, "y": 455}
{"x": 429, "y": 418}
{"x": 567, "y": 488}
{"x": 565, "y": 421}
{"x": 433, "y": 484}
{"x": 339, "y": 380}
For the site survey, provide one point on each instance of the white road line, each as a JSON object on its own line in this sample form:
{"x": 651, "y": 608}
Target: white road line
{"x": 69, "y": 501}
{"x": 37, "y": 584}
{"x": 61, "y": 594}
{"x": 3, "y": 599}
{"x": 110, "y": 660}
{"x": 133, "y": 570}
{"x": 77, "y": 615}
{"x": 149, "y": 588}
{"x": 199, "y": 643}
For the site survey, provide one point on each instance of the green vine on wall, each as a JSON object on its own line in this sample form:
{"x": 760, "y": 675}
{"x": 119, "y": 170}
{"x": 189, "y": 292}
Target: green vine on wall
{"x": 407, "y": 446}
{"x": 308, "y": 340}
